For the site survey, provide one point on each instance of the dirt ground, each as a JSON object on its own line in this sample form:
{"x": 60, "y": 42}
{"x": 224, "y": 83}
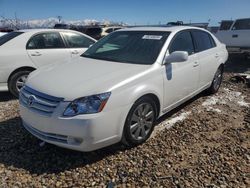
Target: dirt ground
{"x": 203, "y": 143}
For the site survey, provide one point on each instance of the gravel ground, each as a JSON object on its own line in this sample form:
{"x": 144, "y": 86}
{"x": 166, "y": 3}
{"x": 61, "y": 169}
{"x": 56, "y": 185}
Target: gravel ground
{"x": 203, "y": 143}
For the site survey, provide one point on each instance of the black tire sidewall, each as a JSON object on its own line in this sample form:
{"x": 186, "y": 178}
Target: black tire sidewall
{"x": 127, "y": 137}
{"x": 213, "y": 88}
{"x": 12, "y": 82}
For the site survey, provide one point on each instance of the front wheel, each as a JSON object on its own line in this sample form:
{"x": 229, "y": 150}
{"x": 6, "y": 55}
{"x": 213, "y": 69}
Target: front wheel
{"x": 216, "y": 81}
{"x": 17, "y": 81}
{"x": 140, "y": 122}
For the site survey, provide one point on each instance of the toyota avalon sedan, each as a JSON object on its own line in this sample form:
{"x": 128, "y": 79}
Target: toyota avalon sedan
{"x": 23, "y": 51}
{"x": 120, "y": 86}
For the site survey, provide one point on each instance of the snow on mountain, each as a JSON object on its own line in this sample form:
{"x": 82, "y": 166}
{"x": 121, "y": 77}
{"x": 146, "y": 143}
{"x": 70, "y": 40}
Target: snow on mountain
{"x": 45, "y": 23}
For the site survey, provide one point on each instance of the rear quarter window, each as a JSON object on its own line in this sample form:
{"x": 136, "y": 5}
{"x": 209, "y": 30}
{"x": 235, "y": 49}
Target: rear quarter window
{"x": 8, "y": 37}
{"x": 203, "y": 41}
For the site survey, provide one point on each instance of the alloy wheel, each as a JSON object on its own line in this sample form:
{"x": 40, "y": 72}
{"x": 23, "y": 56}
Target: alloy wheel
{"x": 142, "y": 121}
{"x": 20, "y": 82}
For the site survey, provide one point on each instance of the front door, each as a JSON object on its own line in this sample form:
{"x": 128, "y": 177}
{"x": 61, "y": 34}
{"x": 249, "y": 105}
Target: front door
{"x": 180, "y": 78}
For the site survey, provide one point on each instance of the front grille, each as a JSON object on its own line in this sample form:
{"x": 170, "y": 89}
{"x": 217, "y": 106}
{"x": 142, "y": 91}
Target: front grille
{"x": 38, "y": 101}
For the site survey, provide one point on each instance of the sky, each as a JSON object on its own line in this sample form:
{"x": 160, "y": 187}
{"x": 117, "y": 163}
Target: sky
{"x": 137, "y": 12}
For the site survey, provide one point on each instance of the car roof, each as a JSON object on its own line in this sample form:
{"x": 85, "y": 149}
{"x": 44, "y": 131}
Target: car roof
{"x": 167, "y": 28}
{"x": 44, "y": 30}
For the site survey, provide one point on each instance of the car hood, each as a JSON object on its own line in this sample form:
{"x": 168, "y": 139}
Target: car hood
{"x": 82, "y": 77}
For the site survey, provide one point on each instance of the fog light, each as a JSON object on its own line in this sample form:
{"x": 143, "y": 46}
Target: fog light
{"x": 73, "y": 140}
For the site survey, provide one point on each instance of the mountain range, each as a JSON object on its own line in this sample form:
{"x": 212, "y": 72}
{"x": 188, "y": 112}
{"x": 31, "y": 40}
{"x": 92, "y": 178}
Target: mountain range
{"x": 47, "y": 23}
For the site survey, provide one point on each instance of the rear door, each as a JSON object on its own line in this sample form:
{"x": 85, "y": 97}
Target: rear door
{"x": 77, "y": 43}
{"x": 181, "y": 78}
{"x": 47, "y": 48}
{"x": 208, "y": 54}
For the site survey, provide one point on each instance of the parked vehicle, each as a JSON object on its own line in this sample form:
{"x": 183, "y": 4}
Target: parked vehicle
{"x": 95, "y": 31}
{"x": 236, "y": 35}
{"x": 120, "y": 86}
{"x": 108, "y": 30}
{"x": 21, "y": 52}
{"x": 2, "y": 34}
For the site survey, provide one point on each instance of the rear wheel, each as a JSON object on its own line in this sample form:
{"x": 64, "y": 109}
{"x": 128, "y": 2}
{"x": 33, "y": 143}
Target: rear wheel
{"x": 140, "y": 122}
{"x": 216, "y": 81}
{"x": 17, "y": 81}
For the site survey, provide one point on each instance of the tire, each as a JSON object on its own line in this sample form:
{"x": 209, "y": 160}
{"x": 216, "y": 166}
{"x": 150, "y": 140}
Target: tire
{"x": 217, "y": 80}
{"x": 17, "y": 81}
{"x": 140, "y": 122}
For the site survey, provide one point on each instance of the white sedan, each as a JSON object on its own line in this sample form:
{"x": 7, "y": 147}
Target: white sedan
{"x": 2, "y": 34}
{"x": 26, "y": 50}
{"x": 120, "y": 86}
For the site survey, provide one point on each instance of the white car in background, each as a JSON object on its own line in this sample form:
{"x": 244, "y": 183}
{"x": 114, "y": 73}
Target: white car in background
{"x": 23, "y": 51}
{"x": 235, "y": 35}
{"x": 120, "y": 86}
{"x": 110, "y": 29}
{"x": 2, "y": 34}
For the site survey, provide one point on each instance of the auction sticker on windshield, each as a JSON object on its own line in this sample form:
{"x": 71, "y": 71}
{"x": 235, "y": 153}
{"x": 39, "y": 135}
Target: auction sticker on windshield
{"x": 152, "y": 37}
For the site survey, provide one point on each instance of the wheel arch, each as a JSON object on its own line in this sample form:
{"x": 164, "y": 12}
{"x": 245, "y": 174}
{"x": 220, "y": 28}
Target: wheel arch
{"x": 26, "y": 68}
{"x": 156, "y": 100}
{"x": 222, "y": 65}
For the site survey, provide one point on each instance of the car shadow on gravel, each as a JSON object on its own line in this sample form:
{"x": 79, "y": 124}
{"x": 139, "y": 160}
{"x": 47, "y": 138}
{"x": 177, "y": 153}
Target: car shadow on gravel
{"x": 6, "y": 96}
{"x": 19, "y": 149}
{"x": 237, "y": 64}
{"x": 181, "y": 107}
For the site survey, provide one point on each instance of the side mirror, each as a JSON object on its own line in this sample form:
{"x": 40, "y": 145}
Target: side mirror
{"x": 175, "y": 57}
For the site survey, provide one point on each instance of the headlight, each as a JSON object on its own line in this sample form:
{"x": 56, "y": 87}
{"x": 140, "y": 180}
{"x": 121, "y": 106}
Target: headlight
{"x": 87, "y": 105}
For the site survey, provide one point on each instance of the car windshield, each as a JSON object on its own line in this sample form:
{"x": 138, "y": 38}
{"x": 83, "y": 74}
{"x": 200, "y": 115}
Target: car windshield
{"x": 137, "y": 47}
{"x": 8, "y": 37}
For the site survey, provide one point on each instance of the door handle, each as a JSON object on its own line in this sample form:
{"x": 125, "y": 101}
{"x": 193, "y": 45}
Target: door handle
{"x": 36, "y": 54}
{"x": 196, "y": 64}
{"x": 216, "y": 55}
{"x": 235, "y": 36}
{"x": 75, "y": 52}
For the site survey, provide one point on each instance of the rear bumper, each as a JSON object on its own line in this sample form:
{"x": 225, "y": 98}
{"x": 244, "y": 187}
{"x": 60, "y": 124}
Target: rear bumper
{"x": 238, "y": 50}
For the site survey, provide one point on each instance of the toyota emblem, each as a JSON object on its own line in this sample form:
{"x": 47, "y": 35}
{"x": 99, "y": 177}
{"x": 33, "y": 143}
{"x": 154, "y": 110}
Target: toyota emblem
{"x": 31, "y": 100}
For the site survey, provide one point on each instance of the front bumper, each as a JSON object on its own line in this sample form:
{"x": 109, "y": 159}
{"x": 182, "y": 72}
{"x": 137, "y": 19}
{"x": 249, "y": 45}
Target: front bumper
{"x": 3, "y": 87}
{"x": 82, "y": 132}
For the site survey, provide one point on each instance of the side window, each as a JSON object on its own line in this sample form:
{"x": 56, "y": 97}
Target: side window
{"x": 182, "y": 42}
{"x": 45, "y": 41}
{"x": 75, "y": 40}
{"x": 243, "y": 24}
{"x": 226, "y": 25}
{"x": 202, "y": 40}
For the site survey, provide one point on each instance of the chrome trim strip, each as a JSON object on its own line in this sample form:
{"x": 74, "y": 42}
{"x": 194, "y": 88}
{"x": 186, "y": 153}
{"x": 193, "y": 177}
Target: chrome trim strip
{"x": 42, "y": 103}
{"x": 43, "y": 95}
